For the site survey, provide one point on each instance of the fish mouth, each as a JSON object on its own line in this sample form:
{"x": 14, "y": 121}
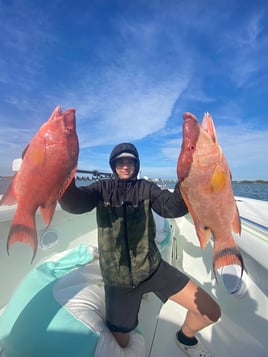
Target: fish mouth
{"x": 69, "y": 121}
{"x": 191, "y": 132}
{"x": 189, "y": 116}
{"x": 191, "y": 129}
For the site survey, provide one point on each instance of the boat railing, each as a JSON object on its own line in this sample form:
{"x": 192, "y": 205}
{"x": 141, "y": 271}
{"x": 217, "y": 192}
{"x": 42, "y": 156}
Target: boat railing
{"x": 92, "y": 175}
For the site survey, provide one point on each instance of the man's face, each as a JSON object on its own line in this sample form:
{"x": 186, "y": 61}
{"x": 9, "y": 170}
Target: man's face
{"x": 125, "y": 168}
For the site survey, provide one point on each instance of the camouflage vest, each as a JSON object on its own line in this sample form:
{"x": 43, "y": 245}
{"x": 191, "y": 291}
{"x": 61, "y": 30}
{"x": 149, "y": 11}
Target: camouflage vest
{"x": 128, "y": 253}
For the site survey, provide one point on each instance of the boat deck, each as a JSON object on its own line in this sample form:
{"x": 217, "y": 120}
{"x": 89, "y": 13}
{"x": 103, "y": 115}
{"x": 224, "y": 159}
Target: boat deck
{"x": 241, "y": 331}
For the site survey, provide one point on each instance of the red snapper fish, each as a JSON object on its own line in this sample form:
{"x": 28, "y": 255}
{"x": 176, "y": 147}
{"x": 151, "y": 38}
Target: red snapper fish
{"x": 49, "y": 163}
{"x": 206, "y": 187}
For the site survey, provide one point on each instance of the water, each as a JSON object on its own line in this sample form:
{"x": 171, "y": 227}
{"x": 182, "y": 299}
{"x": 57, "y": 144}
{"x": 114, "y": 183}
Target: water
{"x": 258, "y": 191}
{"x": 4, "y": 182}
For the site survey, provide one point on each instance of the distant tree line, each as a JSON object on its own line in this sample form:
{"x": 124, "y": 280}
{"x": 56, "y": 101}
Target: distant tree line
{"x": 252, "y": 181}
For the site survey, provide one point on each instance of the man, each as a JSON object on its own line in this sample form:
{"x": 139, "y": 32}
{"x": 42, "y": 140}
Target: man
{"x": 130, "y": 262}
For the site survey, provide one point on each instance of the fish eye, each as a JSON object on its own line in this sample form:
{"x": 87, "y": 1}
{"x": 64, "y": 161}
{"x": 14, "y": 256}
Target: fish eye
{"x": 191, "y": 148}
{"x": 68, "y": 130}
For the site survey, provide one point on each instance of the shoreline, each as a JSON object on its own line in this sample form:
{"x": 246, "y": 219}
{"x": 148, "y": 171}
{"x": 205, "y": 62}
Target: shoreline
{"x": 170, "y": 180}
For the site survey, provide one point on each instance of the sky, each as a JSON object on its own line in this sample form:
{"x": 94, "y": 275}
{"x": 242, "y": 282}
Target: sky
{"x": 131, "y": 68}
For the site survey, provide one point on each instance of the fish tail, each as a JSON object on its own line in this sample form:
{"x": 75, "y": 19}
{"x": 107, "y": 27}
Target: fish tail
{"x": 23, "y": 233}
{"x": 227, "y": 255}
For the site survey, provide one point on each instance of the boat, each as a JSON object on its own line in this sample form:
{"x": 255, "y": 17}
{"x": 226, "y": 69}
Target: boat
{"x": 53, "y": 306}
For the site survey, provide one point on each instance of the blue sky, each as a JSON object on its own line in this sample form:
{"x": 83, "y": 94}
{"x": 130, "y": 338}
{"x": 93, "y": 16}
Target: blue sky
{"x": 131, "y": 69}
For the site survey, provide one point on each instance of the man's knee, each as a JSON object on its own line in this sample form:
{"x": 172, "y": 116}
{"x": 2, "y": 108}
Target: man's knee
{"x": 121, "y": 338}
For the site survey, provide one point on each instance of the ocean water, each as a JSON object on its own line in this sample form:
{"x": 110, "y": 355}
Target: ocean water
{"x": 257, "y": 191}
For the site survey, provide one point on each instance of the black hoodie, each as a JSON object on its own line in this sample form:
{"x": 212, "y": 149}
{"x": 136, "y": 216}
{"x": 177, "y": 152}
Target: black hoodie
{"x": 125, "y": 148}
{"x": 126, "y": 227}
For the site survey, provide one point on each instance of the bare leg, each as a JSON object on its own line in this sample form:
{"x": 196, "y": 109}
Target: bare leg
{"x": 121, "y": 338}
{"x": 202, "y": 309}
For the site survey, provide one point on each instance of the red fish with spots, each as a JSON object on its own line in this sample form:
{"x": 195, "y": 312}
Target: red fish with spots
{"x": 206, "y": 186}
{"x": 48, "y": 166}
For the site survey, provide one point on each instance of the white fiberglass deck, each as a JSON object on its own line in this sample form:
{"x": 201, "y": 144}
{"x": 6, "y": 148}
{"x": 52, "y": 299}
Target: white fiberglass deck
{"x": 242, "y": 329}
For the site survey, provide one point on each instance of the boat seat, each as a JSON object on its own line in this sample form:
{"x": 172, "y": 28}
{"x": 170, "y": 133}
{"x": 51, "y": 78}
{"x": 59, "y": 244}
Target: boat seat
{"x": 58, "y": 310}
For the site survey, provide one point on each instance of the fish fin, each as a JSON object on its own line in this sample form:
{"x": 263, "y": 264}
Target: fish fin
{"x": 47, "y": 212}
{"x": 25, "y": 233}
{"x": 218, "y": 179}
{"x": 67, "y": 183}
{"x": 236, "y": 222}
{"x": 9, "y": 197}
{"x": 37, "y": 156}
{"x": 24, "y": 151}
{"x": 203, "y": 233}
{"x": 56, "y": 113}
{"x": 208, "y": 125}
{"x": 226, "y": 253}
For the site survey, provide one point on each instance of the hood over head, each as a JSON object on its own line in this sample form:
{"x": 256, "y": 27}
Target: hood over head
{"x": 125, "y": 150}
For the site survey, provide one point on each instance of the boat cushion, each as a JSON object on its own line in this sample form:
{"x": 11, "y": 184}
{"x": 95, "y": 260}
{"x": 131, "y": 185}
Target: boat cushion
{"x": 81, "y": 292}
{"x": 59, "y": 310}
{"x": 35, "y": 324}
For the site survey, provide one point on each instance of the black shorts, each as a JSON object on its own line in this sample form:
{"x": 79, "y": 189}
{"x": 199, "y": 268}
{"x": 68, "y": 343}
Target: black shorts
{"x": 123, "y": 304}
